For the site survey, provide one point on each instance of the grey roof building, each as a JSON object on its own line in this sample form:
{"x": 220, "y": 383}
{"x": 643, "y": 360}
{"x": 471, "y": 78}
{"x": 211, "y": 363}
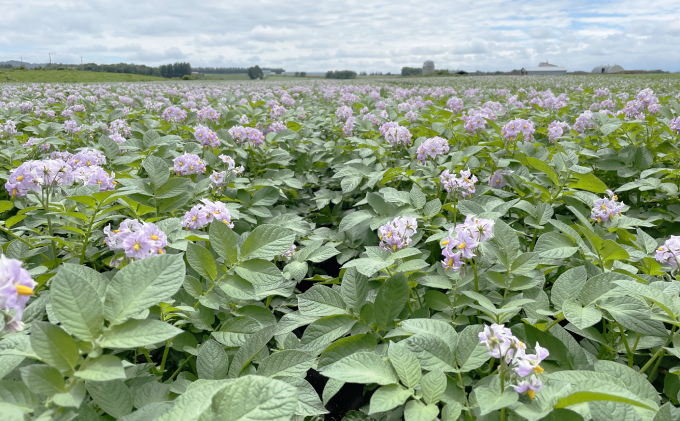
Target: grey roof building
{"x": 607, "y": 69}
{"x": 544, "y": 69}
{"x": 428, "y": 67}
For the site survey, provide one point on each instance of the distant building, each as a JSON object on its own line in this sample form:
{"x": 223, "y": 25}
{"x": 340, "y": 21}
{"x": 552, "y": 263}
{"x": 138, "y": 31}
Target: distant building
{"x": 544, "y": 69}
{"x": 428, "y": 67}
{"x": 607, "y": 69}
{"x": 195, "y": 73}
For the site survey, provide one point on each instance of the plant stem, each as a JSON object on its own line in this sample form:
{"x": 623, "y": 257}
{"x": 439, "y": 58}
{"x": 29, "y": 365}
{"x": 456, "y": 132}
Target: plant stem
{"x": 625, "y": 343}
{"x": 658, "y": 353}
{"x": 165, "y": 355}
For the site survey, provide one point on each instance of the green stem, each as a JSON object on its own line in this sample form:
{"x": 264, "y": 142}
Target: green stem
{"x": 553, "y": 323}
{"x": 180, "y": 367}
{"x": 87, "y": 236}
{"x": 165, "y": 355}
{"x": 625, "y": 343}
{"x": 658, "y": 353}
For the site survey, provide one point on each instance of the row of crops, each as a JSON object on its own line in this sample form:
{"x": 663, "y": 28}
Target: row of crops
{"x": 473, "y": 249}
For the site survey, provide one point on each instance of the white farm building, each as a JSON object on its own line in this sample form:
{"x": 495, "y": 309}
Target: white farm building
{"x": 607, "y": 69}
{"x": 544, "y": 69}
{"x": 428, "y": 67}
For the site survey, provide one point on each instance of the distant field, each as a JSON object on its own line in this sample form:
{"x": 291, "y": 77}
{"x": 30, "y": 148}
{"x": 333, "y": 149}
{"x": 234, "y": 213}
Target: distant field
{"x": 70, "y": 76}
{"x": 227, "y": 76}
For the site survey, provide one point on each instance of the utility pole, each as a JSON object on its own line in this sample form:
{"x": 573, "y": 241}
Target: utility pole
{"x": 81, "y": 62}
{"x": 50, "y": 60}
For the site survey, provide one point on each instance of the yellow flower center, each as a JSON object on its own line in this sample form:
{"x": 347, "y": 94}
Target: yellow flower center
{"x": 116, "y": 231}
{"x": 660, "y": 249}
{"x": 531, "y": 393}
{"x": 160, "y": 251}
{"x": 136, "y": 246}
{"x": 154, "y": 237}
{"x": 538, "y": 369}
{"x": 24, "y": 290}
{"x": 194, "y": 218}
{"x": 14, "y": 192}
{"x": 21, "y": 177}
{"x": 445, "y": 243}
{"x": 461, "y": 246}
{"x": 394, "y": 247}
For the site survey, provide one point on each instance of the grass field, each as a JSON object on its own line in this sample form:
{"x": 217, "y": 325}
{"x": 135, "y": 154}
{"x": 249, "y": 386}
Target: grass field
{"x": 228, "y": 76}
{"x": 70, "y": 76}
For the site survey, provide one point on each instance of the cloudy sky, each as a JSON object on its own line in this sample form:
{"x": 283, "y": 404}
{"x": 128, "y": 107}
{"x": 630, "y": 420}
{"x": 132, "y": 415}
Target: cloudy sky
{"x": 303, "y": 35}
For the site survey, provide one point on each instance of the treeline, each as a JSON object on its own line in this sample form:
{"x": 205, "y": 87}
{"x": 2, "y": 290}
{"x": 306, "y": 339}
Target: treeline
{"x": 411, "y": 71}
{"x": 232, "y": 70}
{"x": 341, "y": 74}
{"x": 175, "y": 70}
{"x": 171, "y": 70}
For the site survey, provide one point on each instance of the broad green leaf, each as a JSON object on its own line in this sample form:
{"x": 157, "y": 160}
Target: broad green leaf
{"x": 544, "y": 168}
{"x": 354, "y": 288}
{"x": 634, "y": 315}
{"x": 197, "y": 398}
{"x": 77, "y": 302}
{"x": 581, "y": 317}
{"x": 224, "y": 241}
{"x": 158, "y": 170}
{"x": 259, "y": 272}
{"x": 71, "y": 398}
{"x": 588, "y": 182}
{"x": 417, "y": 411}
{"x": 632, "y": 379}
{"x": 134, "y": 333}
{"x": 491, "y": 399}
{"x": 387, "y": 398}
{"x": 392, "y": 296}
{"x": 320, "y": 301}
{"x": 344, "y": 347}
{"x": 42, "y": 379}
{"x": 142, "y": 284}
{"x": 249, "y": 350}
{"x": 568, "y": 285}
{"x": 212, "y": 362}
{"x": 612, "y": 251}
{"x": 286, "y": 363}
{"x": 201, "y": 261}
{"x": 362, "y": 367}
{"x": 113, "y": 397}
{"x": 54, "y": 346}
{"x": 432, "y": 386}
{"x": 101, "y": 369}
{"x": 324, "y": 331}
{"x": 432, "y": 352}
{"x": 16, "y": 393}
{"x": 470, "y": 353}
{"x": 253, "y": 398}
{"x": 405, "y": 364}
{"x": 266, "y": 242}
{"x": 309, "y": 403}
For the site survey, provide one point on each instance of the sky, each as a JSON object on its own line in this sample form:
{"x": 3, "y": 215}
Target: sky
{"x": 320, "y": 35}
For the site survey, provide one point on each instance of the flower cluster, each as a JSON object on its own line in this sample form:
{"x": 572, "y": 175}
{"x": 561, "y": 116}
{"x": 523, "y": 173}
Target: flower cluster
{"x": 343, "y": 113}
{"x": 16, "y": 287}
{"x": 475, "y": 120}
{"x": 395, "y": 134}
{"x": 208, "y": 113}
{"x": 455, "y": 104}
{"x": 174, "y": 114}
{"x": 432, "y": 147}
{"x": 463, "y": 239}
{"x": 206, "y": 137}
{"x": 584, "y": 121}
{"x": 511, "y": 130}
{"x": 33, "y": 175}
{"x": 503, "y": 345}
{"x": 242, "y": 134}
{"x": 206, "y": 212}
{"x": 675, "y": 125}
{"x": 87, "y": 158}
{"x": 465, "y": 184}
{"x": 188, "y": 164}
{"x": 669, "y": 253}
{"x": 397, "y": 234}
{"x": 556, "y": 129}
{"x": 95, "y": 175}
{"x": 497, "y": 180}
{"x": 71, "y": 126}
{"x": 605, "y": 209}
{"x": 348, "y": 128}
{"x": 137, "y": 240}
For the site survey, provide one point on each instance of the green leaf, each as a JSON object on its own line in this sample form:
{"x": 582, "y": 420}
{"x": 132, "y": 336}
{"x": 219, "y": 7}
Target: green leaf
{"x": 603, "y": 395}
{"x": 354, "y": 219}
{"x": 418, "y": 198}
{"x": 16, "y": 393}
{"x": 224, "y": 241}
{"x": 612, "y": 251}
{"x": 286, "y": 363}
{"x": 134, "y": 333}
{"x": 71, "y": 398}
{"x": 344, "y": 347}
{"x": 392, "y": 296}
{"x": 579, "y": 316}
{"x": 432, "y": 386}
{"x": 54, "y": 346}
{"x": 553, "y": 245}
{"x": 320, "y": 301}
{"x": 141, "y": 284}
{"x": 634, "y": 315}
{"x": 491, "y": 399}
{"x": 259, "y": 272}
{"x": 354, "y": 288}
{"x": 212, "y": 362}
{"x": 405, "y": 363}
{"x": 632, "y": 379}
{"x": 76, "y": 295}
{"x": 253, "y": 398}
{"x": 588, "y": 182}
{"x": 266, "y": 196}
{"x": 197, "y": 399}
{"x": 451, "y": 411}
{"x": 158, "y": 170}
{"x": 470, "y": 353}
{"x": 544, "y": 168}
{"x": 364, "y": 367}
{"x": 324, "y": 331}
{"x": 201, "y": 261}
{"x": 432, "y": 352}
{"x": 113, "y": 397}
{"x": 387, "y": 398}
{"x": 568, "y": 285}
{"x": 417, "y": 411}
{"x": 506, "y": 239}
{"x": 42, "y": 379}
{"x": 102, "y": 368}
{"x": 267, "y": 242}
{"x": 249, "y": 350}
{"x": 151, "y": 138}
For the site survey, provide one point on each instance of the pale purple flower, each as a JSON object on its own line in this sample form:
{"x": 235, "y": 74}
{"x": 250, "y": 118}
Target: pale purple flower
{"x": 397, "y": 234}
{"x": 605, "y": 209}
{"x": 188, "y": 164}
{"x": 531, "y": 386}
{"x": 343, "y": 113}
{"x": 16, "y": 287}
{"x": 675, "y": 125}
{"x": 455, "y": 104}
{"x": 206, "y": 137}
{"x": 465, "y": 184}
{"x": 584, "y": 121}
{"x": 95, "y": 175}
{"x": 348, "y": 128}
{"x": 451, "y": 259}
{"x": 71, "y": 126}
{"x": 243, "y": 120}
{"x": 174, "y": 114}
{"x": 137, "y": 240}
{"x": 395, "y": 134}
{"x": 87, "y": 158}
{"x": 497, "y": 180}
{"x": 247, "y": 134}
{"x": 556, "y": 129}
{"x": 208, "y": 113}
{"x": 205, "y": 213}
{"x": 432, "y": 148}
{"x": 669, "y": 253}
{"x": 511, "y": 130}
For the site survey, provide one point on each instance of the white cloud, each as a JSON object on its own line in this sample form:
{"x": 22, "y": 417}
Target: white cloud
{"x": 315, "y": 35}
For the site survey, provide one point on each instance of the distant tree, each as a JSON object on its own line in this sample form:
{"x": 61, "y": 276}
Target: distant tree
{"x": 341, "y": 74}
{"x": 255, "y": 72}
{"x": 411, "y": 71}
{"x": 303, "y": 74}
